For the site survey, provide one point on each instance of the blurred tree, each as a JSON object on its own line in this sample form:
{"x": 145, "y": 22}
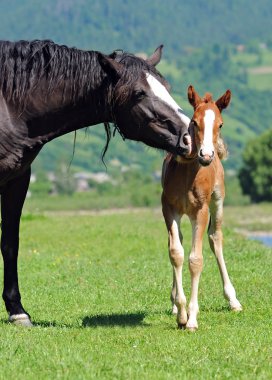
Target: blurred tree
{"x": 255, "y": 175}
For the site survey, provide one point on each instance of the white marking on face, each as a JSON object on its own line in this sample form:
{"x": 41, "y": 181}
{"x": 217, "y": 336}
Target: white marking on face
{"x": 160, "y": 91}
{"x": 207, "y": 143}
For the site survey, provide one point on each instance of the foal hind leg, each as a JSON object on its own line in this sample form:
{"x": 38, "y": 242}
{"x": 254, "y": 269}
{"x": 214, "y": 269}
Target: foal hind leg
{"x": 12, "y": 200}
{"x": 176, "y": 255}
{"x": 216, "y": 243}
{"x": 199, "y": 223}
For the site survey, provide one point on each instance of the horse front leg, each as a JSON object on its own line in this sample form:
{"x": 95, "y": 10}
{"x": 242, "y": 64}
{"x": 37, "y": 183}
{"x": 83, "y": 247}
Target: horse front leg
{"x": 199, "y": 223}
{"x": 176, "y": 255}
{"x": 216, "y": 243}
{"x": 12, "y": 200}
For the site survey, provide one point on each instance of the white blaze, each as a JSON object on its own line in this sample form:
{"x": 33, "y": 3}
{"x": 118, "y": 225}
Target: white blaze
{"x": 207, "y": 144}
{"x": 160, "y": 91}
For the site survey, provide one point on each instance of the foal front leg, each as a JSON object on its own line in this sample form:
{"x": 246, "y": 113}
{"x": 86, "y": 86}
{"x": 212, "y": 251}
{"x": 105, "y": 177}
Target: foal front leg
{"x": 216, "y": 243}
{"x": 199, "y": 223}
{"x": 12, "y": 200}
{"x": 176, "y": 255}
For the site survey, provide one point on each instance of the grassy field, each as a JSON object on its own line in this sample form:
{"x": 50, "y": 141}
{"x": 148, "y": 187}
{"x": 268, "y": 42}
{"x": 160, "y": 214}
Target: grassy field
{"x": 97, "y": 288}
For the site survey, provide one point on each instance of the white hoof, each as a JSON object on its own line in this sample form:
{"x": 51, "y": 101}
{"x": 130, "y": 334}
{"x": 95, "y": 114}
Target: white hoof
{"x": 191, "y": 326}
{"x": 235, "y": 305}
{"x": 20, "y": 320}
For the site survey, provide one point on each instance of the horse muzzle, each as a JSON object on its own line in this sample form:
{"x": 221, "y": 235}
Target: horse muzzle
{"x": 184, "y": 147}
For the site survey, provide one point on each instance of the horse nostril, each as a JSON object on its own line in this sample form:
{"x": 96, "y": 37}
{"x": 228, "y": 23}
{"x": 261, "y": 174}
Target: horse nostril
{"x": 186, "y": 139}
{"x": 201, "y": 153}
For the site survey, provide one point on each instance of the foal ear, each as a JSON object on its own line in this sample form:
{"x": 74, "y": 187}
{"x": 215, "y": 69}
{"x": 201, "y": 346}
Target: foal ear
{"x": 109, "y": 65}
{"x": 155, "y": 58}
{"x": 193, "y": 97}
{"x": 223, "y": 102}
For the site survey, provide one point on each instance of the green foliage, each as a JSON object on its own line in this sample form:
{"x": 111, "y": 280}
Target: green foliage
{"x": 137, "y": 25}
{"x": 97, "y": 288}
{"x": 64, "y": 182}
{"x": 255, "y": 175}
{"x": 42, "y": 186}
{"x": 234, "y": 195}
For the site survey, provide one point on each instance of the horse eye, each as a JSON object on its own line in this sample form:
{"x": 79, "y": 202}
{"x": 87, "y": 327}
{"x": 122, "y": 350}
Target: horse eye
{"x": 140, "y": 94}
{"x": 221, "y": 125}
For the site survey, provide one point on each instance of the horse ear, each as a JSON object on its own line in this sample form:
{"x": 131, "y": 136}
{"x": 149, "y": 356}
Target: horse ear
{"x": 193, "y": 97}
{"x": 223, "y": 102}
{"x": 155, "y": 58}
{"x": 109, "y": 65}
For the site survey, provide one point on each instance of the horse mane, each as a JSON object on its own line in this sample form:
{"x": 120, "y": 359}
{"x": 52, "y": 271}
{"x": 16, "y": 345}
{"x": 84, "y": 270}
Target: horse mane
{"x": 25, "y": 63}
{"x": 133, "y": 68}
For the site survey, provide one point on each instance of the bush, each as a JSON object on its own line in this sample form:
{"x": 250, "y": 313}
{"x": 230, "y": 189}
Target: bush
{"x": 255, "y": 175}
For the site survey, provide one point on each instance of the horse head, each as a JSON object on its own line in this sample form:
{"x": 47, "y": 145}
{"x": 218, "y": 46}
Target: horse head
{"x": 206, "y": 124}
{"x": 142, "y": 108}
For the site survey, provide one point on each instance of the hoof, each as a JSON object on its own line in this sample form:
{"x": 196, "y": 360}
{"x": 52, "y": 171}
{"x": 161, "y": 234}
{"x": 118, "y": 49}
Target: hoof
{"x": 20, "y": 320}
{"x": 191, "y": 329}
{"x": 192, "y": 325}
{"x": 181, "y": 326}
{"x": 236, "y": 306}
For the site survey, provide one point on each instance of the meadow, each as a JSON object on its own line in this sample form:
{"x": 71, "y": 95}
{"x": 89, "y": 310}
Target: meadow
{"x": 97, "y": 288}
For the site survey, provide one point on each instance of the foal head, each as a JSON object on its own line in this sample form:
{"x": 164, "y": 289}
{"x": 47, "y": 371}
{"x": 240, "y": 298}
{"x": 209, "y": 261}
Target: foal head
{"x": 143, "y": 110}
{"x": 206, "y": 123}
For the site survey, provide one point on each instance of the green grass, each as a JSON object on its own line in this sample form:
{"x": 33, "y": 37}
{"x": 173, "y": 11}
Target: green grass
{"x": 260, "y": 81}
{"x": 98, "y": 287}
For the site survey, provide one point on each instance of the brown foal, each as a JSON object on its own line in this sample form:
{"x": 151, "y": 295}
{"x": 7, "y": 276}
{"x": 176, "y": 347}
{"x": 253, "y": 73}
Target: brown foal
{"x": 194, "y": 186}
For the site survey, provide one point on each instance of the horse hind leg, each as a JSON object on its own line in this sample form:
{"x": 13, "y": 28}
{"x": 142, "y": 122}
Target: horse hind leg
{"x": 12, "y": 200}
{"x": 216, "y": 243}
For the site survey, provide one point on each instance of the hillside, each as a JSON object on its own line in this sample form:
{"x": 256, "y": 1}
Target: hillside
{"x": 137, "y": 25}
{"x": 201, "y": 39}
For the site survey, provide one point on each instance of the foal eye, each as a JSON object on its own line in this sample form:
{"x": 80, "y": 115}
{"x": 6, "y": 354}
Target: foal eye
{"x": 221, "y": 125}
{"x": 194, "y": 123}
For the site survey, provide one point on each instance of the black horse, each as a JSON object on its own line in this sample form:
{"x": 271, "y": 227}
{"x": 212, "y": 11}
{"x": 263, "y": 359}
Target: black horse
{"x": 47, "y": 90}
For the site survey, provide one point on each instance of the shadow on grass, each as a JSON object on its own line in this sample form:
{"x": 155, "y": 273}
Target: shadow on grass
{"x": 104, "y": 320}
{"x": 110, "y": 320}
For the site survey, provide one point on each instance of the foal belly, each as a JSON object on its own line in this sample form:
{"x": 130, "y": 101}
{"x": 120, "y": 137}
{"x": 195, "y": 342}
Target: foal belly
{"x": 189, "y": 193}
